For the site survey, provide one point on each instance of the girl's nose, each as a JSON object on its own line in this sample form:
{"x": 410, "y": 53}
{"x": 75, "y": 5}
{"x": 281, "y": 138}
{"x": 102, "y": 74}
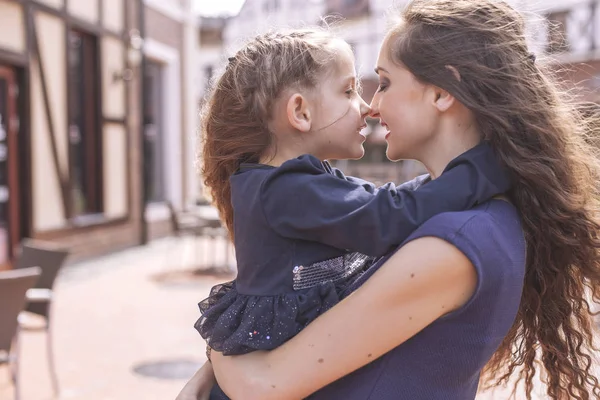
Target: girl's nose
{"x": 365, "y": 109}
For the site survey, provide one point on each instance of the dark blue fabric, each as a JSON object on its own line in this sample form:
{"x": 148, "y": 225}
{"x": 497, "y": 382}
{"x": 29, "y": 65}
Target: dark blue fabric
{"x": 240, "y": 324}
{"x": 444, "y": 360}
{"x": 305, "y": 212}
{"x": 301, "y": 201}
{"x": 217, "y": 393}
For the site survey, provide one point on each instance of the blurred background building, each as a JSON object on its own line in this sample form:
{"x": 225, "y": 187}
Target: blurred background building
{"x": 99, "y": 103}
{"x": 98, "y": 116}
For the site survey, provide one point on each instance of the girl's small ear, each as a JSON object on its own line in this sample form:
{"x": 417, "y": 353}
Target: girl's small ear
{"x": 298, "y": 112}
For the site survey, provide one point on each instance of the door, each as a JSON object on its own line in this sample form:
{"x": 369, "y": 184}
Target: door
{"x": 154, "y": 133}
{"x": 85, "y": 139}
{"x": 10, "y": 234}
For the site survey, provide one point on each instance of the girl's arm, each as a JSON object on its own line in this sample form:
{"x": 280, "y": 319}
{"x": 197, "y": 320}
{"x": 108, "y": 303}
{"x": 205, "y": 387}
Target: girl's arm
{"x": 422, "y": 281}
{"x": 301, "y": 200}
{"x": 371, "y": 188}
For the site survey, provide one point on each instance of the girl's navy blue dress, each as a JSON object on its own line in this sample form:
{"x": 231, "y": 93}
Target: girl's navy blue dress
{"x": 303, "y": 232}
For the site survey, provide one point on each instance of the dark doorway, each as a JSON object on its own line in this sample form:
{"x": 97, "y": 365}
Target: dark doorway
{"x": 10, "y": 211}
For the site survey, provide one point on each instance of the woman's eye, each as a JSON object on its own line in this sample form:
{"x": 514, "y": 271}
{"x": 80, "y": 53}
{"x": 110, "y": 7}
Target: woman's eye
{"x": 381, "y": 87}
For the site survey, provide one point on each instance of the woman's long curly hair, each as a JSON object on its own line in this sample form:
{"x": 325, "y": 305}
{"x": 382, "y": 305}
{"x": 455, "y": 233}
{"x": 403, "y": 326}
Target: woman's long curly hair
{"x": 541, "y": 137}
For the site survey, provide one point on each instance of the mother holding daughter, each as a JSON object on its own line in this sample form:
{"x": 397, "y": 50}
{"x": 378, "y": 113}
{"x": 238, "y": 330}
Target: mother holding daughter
{"x": 479, "y": 294}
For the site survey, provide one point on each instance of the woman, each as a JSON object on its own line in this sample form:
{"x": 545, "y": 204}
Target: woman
{"x": 493, "y": 289}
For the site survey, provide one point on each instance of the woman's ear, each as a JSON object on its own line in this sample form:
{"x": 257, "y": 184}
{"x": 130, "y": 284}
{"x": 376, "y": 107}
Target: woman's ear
{"x": 298, "y": 112}
{"x": 443, "y": 99}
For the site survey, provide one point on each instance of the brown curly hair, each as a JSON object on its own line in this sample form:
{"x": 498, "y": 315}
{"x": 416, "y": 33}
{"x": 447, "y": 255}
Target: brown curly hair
{"x": 234, "y": 120}
{"x": 540, "y": 136}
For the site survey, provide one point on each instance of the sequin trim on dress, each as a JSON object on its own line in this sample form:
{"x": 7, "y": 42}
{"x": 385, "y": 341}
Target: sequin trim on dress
{"x": 330, "y": 270}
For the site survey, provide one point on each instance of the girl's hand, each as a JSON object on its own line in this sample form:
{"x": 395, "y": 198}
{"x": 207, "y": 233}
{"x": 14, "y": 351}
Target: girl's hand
{"x": 200, "y": 385}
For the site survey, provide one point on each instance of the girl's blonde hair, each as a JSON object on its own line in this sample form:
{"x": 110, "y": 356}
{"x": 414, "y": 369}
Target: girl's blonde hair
{"x": 235, "y": 118}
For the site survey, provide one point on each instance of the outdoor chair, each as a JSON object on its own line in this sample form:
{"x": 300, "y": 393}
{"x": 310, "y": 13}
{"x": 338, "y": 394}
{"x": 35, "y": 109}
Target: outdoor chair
{"x": 50, "y": 259}
{"x": 189, "y": 223}
{"x": 13, "y": 288}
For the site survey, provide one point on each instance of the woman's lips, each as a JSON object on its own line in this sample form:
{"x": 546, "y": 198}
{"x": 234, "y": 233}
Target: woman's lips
{"x": 387, "y": 129}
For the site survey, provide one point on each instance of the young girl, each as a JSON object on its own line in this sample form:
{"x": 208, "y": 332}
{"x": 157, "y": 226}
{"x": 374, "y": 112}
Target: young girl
{"x": 301, "y": 230}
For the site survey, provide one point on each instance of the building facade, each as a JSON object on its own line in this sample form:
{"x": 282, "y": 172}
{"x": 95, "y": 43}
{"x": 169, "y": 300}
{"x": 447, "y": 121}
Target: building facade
{"x": 72, "y": 92}
{"x": 570, "y": 42}
{"x": 170, "y": 115}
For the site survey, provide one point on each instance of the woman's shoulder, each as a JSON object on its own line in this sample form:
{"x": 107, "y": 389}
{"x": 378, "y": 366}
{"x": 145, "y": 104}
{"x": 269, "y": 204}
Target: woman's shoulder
{"x": 490, "y": 235}
{"x": 495, "y": 216}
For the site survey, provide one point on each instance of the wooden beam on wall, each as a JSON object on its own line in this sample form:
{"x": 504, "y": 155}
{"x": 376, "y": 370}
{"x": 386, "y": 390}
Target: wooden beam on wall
{"x": 63, "y": 181}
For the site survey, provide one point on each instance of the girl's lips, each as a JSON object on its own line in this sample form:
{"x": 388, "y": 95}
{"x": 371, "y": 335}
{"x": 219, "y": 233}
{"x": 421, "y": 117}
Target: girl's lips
{"x": 362, "y": 132}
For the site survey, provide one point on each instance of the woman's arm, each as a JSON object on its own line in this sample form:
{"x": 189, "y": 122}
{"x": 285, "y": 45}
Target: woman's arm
{"x": 200, "y": 385}
{"x": 422, "y": 281}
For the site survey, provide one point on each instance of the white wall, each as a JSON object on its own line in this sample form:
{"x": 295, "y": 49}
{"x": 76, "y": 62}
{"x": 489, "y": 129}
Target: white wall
{"x": 254, "y": 19}
{"x": 170, "y": 59}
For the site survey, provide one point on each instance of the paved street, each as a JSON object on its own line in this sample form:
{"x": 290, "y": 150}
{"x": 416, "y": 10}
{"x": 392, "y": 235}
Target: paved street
{"x": 116, "y": 321}
{"x": 113, "y": 315}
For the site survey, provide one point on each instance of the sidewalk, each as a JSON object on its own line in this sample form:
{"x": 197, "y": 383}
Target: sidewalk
{"x": 116, "y": 322}
{"x": 111, "y": 316}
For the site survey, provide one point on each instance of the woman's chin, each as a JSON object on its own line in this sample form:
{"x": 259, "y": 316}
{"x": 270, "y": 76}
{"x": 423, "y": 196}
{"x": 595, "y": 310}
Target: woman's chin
{"x": 393, "y": 155}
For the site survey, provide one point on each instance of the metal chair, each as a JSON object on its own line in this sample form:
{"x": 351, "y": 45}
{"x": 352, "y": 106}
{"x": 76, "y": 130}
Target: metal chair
{"x": 192, "y": 224}
{"x": 50, "y": 259}
{"x": 13, "y": 287}
{"x": 185, "y": 223}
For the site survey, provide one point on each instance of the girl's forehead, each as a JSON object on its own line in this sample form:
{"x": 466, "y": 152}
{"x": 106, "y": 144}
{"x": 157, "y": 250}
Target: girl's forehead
{"x": 344, "y": 57}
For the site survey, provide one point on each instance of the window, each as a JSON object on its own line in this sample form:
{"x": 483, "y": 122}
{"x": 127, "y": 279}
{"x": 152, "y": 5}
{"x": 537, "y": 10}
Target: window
{"x": 85, "y": 139}
{"x": 348, "y": 8}
{"x": 153, "y": 133}
{"x": 208, "y": 73}
{"x": 10, "y": 149}
{"x": 270, "y": 6}
{"x": 557, "y": 32}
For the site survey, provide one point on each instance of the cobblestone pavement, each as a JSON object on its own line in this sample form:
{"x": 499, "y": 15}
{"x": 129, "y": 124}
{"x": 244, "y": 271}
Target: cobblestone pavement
{"x": 120, "y": 331}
